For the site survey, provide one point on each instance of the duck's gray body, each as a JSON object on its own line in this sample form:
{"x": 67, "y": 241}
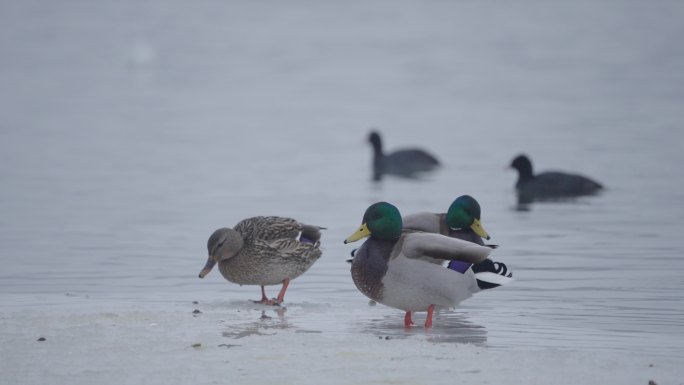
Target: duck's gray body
{"x": 405, "y": 274}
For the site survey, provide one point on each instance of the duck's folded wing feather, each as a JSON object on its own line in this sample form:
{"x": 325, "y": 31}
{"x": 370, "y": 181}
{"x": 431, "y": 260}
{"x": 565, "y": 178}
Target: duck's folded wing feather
{"x": 270, "y": 227}
{"x": 291, "y": 249}
{"x": 418, "y": 245}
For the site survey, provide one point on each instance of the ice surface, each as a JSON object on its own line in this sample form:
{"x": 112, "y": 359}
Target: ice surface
{"x": 239, "y": 343}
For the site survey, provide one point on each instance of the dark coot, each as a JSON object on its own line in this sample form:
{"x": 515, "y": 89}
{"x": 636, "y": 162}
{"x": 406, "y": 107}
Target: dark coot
{"x": 550, "y": 185}
{"x": 407, "y": 162}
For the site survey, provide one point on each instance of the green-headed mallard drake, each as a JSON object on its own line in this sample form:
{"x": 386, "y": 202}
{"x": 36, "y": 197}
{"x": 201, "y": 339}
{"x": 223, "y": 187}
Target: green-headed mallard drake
{"x": 404, "y": 162}
{"x": 462, "y": 221}
{"x": 403, "y": 269}
{"x": 550, "y": 184}
{"x": 264, "y": 251}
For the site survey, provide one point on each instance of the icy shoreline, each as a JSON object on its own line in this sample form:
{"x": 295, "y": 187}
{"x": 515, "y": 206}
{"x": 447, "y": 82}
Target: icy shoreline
{"x": 184, "y": 344}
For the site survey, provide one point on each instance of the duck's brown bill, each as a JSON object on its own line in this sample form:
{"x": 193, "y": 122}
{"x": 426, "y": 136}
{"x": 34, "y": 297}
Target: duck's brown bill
{"x": 207, "y": 268}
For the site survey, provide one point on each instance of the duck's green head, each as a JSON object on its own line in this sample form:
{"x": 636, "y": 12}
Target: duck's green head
{"x": 464, "y": 213}
{"x": 381, "y": 220}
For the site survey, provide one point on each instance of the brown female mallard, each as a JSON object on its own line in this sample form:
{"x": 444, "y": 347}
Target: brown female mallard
{"x": 264, "y": 251}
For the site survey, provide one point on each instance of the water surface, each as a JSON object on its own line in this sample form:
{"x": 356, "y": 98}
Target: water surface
{"x": 130, "y": 130}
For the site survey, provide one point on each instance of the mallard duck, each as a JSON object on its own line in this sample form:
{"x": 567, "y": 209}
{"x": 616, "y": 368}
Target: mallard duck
{"x": 550, "y": 184}
{"x": 405, "y": 162}
{"x": 264, "y": 251}
{"x": 462, "y": 221}
{"x": 403, "y": 269}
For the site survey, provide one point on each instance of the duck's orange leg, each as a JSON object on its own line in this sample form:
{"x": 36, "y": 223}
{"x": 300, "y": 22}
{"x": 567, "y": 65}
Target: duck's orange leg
{"x": 407, "y": 320}
{"x": 281, "y": 295}
{"x": 428, "y": 320}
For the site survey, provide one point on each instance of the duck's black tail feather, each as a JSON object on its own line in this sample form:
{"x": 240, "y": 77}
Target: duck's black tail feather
{"x": 490, "y": 274}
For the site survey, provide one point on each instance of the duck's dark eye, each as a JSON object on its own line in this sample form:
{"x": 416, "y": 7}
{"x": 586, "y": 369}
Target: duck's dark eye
{"x": 217, "y": 247}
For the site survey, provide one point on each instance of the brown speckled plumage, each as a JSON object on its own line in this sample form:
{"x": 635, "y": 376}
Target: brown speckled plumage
{"x": 271, "y": 251}
{"x": 268, "y": 228}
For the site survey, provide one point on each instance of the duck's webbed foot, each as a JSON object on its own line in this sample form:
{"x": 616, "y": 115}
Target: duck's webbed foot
{"x": 270, "y": 302}
{"x": 265, "y": 301}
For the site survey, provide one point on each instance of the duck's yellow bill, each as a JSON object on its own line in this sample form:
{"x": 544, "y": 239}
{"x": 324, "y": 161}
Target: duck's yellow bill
{"x": 361, "y": 233}
{"x": 479, "y": 230}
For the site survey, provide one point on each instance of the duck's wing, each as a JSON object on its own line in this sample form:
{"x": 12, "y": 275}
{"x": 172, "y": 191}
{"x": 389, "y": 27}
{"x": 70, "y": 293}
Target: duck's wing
{"x": 287, "y": 254}
{"x": 295, "y": 248}
{"x": 268, "y": 228}
{"x": 420, "y": 245}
